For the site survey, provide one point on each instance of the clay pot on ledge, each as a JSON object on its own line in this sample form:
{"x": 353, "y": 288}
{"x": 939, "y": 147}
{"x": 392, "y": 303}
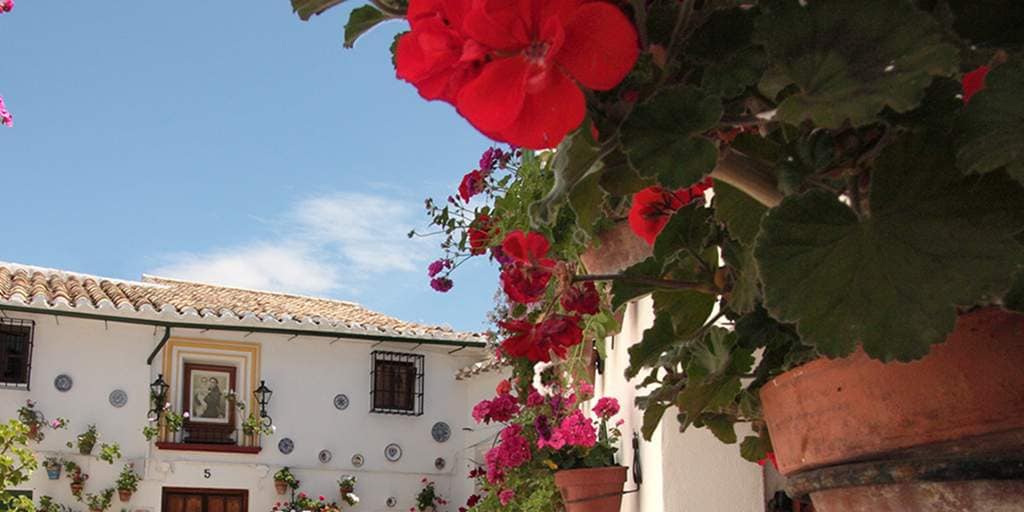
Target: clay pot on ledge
{"x": 33, "y": 433}
{"x": 77, "y": 487}
{"x": 941, "y": 434}
{"x": 124, "y": 494}
{"x": 280, "y": 486}
{"x": 591, "y": 489}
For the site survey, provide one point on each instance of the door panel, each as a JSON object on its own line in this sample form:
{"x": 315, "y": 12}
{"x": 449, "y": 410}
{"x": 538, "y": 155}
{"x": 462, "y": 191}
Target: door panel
{"x": 205, "y": 500}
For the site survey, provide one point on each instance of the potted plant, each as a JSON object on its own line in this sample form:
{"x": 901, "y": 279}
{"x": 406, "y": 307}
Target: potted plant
{"x": 347, "y": 487}
{"x": 86, "y": 441}
{"x": 46, "y": 504}
{"x": 127, "y": 482}
{"x": 253, "y": 427}
{"x": 99, "y": 502}
{"x": 74, "y": 473}
{"x": 284, "y": 480}
{"x": 53, "y": 465}
{"x": 427, "y": 499}
{"x": 863, "y": 240}
{"x": 35, "y": 421}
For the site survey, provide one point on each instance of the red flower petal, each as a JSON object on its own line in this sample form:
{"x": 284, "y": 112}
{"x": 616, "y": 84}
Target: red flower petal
{"x": 528, "y": 248}
{"x": 651, "y": 210}
{"x": 493, "y": 100}
{"x": 501, "y": 24}
{"x": 556, "y": 108}
{"x": 974, "y": 81}
{"x": 600, "y": 46}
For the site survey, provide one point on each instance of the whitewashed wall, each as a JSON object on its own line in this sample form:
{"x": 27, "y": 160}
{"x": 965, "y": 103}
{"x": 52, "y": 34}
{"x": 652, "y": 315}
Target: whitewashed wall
{"x": 305, "y": 374}
{"x": 688, "y": 472}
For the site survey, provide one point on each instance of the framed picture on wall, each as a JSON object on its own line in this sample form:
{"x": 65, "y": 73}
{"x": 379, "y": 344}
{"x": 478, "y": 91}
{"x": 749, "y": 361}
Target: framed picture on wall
{"x": 205, "y": 396}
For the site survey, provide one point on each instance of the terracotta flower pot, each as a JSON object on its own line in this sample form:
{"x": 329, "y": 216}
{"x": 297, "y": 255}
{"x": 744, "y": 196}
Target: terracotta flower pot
{"x": 591, "y": 489}
{"x": 616, "y": 249}
{"x": 280, "y": 486}
{"x": 950, "y": 413}
{"x": 124, "y": 495}
{"x": 33, "y": 433}
{"x": 77, "y": 487}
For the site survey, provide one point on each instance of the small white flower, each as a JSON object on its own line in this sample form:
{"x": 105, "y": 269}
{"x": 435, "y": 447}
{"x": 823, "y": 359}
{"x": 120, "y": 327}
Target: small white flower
{"x": 273, "y": 428}
{"x": 186, "y": 415}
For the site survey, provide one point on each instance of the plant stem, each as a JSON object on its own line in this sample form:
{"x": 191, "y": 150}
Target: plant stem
{"x": 747, "y": 175}
{"x": 651, "y": 281}
{"x": 391, "y": 11}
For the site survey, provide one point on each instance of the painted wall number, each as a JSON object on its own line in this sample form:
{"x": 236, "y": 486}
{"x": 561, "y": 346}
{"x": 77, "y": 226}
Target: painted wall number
{"x": 207, "y": 474}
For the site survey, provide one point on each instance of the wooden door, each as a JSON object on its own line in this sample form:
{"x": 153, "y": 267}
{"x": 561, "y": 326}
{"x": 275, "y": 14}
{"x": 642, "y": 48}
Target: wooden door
{"x": 205, "y": 500}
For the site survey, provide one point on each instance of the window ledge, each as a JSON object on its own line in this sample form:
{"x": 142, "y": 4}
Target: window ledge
{"x": 200, "y": 447}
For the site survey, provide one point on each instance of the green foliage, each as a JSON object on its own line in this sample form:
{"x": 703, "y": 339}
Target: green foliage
{"x": 361, "y": 21}
{"x": 16, "y": 464}
{"x": 128, "y": 479}
{"x": 892, "y": 281}
{"x": 98, "y": 502}
{"x": 993, "y": 122}
{"x": 86, "y": 441}
{"x": 851, "y": 58}
{"x": 110, "y": 452}
{"x": 285, "y": 475}
{"x": 308, "y": 8}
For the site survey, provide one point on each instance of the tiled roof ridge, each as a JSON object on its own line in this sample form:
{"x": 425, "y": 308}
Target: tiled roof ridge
{"x": 161, "y": 280}
{"x": 78, "y": 275}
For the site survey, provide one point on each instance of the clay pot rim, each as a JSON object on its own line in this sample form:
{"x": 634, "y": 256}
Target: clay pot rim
{"x": 619, "y": 473}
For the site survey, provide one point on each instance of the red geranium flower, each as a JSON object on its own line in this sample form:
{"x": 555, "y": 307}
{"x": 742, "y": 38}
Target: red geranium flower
{"x": 537, "y": 342}
{"x": 582, "y": 299}
{"x": 769, "y": 458}
{"x": 974, "y": 81}
{"x": 526, "y": 277}
{"x": 472, "y": 184}
{"x": 653, "y": 206}
{"x": 435, "y": 55}
{"x": 480, "y": 234}
{"x": 527, "y": 93}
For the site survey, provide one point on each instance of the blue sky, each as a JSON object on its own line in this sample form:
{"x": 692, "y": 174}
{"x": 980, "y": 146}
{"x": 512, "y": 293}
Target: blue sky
{"x": 227, "y": 142}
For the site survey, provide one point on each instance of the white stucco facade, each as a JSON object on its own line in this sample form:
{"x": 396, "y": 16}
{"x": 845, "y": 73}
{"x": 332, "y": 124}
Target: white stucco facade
{"x": 305, "y": 374}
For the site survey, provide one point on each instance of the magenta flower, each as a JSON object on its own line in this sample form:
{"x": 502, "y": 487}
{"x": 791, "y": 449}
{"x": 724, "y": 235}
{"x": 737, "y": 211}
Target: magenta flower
{"x": 6, "y": 5}
{"x": 577, "y": 430}
{"x": 505, "y": 496}
{"x": 441, "y": 284}
{"x": 5, "y": 119}
{"x": 436, "y": 267}
{"x": 606, "y": 407}
{"x": 512, "y": 452}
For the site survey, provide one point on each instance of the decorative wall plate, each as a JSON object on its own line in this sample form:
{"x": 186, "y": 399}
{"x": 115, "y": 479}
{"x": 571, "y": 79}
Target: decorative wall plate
{"x": 439, "y": 463}
{"x": 63, "y": 382}
{"x": 357, "y": 460}
{"x": 286, "y": 445}
{"x": 391, "y": 502}
{"x": 325, "y": 456}
{"x": 118, "y": 398}
{"x": 392, "y": 452}
{"x": 341, "y": 402}
{"x": 441, "y": 432}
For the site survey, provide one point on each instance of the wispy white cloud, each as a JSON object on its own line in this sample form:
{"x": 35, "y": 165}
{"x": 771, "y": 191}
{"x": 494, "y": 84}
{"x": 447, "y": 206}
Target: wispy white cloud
{"x": 328, "y": 243}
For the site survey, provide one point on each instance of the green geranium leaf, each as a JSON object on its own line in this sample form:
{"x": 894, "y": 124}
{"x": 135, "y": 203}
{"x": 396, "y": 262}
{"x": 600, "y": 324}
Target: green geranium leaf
{"x": 656, "y": 340}
{"x": 619, "y": 179}
{"x": 306, "y": 9}
{"x": 992, "y": 125}
{"x": 713, "y": 372}
{"x": 740, "y": 213}
{"x": 624, "y": 291}
{"x": 722, "y": 426}
{"x": 754, "y": 449}
{"x": 746, "y": 291}
{"x": 578, "y": 157}
{"x": 989, "y": 22}
{"x": 732, "y": 75}
{"x": 586, "y": 199}
{"x": 661, "y": 138}
{"x": 687, "y": 309}
{"x": 360, "y": 21}
{"x": 652, "y": 418}
{"x": 852, "y": 58}
{"x": 686, "y": 230}
{"x": 891, "y": 282}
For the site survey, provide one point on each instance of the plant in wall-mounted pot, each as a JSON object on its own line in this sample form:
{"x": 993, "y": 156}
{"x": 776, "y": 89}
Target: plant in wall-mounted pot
{"x": 35, "y": 421}
{"x": 254, "y": 426}
{"x": 428, "y": 500}
{"x": 347, "y": 487}
{"x": 99, "y": 502}
{"x": 74, "y": 473}
{"x": 53, "y": 465}
{"x": 86, "y": 441}
{"x": 127, "y": 482}
{"x": 110, "y": 452}
{"x": 284, "y": 480}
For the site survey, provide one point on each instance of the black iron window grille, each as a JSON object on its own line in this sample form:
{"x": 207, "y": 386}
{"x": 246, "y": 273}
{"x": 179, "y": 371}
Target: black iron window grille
{"x": 16, "y": 352}
{"x": 396, "y": 383}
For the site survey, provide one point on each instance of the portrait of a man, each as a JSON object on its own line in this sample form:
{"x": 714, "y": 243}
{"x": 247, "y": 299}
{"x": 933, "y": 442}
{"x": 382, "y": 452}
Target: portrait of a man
{"x": 209, "y": 387}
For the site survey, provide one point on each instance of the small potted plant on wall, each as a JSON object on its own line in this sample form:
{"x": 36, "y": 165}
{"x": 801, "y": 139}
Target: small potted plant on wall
{"x": 99, "y": 502}
{"x": 127, "y": 482}
{"x": 74, "y": 473}
{"x": 86, "y": 441}
{"x": 284, "y": 480}
{"x": 347, "y": 487}
{"x": 35, "y": 421}
{"x": 428, "y": 500}
{"x": 253, "y": 427}
{"x": 53, "y": 467}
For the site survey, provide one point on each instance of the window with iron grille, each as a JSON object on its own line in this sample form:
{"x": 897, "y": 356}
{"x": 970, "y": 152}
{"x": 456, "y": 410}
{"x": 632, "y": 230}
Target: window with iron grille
{"x": 15, "y": 352}
{"x": 396, "y": 383}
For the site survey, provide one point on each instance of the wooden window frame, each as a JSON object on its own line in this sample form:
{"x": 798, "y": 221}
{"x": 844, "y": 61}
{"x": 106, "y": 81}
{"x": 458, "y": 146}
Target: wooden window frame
{"x": 401, "y": 398}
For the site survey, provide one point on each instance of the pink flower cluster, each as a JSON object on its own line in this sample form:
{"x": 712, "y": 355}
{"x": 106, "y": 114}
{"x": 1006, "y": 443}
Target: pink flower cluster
{"x": 5, "y": 117}
{"x": 606, "y": 408}
{"x": 512, "y": 452}
{"x": 577, "y": 430}
{"x": 6, "y": 6}
{"x": 502, "y": 408}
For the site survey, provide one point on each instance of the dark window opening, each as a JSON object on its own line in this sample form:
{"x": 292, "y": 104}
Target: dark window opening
{"x": 15, "y": 352}
{"x": 396, "y": 383}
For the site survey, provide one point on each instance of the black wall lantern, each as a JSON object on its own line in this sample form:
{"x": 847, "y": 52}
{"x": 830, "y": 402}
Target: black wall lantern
{"x": 158, "y": 396}
{"x": 263, "y": 394}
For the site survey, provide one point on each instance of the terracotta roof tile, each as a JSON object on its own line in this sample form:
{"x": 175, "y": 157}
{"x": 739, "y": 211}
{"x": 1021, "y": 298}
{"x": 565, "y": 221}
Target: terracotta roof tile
{"x": 23, "y": 284}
